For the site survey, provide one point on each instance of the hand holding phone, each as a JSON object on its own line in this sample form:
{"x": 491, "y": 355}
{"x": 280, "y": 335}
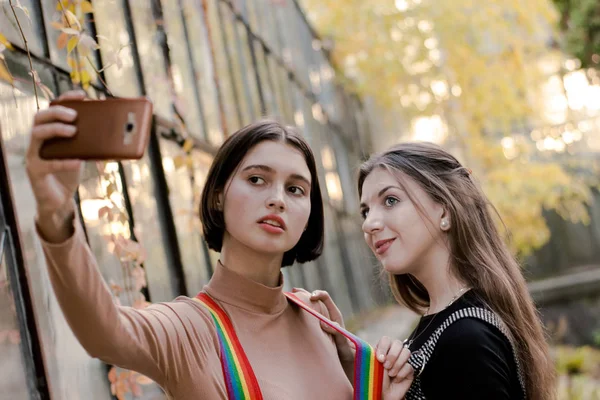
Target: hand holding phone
{"x": 111, "y": 129}
{"x": 74, "y": 129}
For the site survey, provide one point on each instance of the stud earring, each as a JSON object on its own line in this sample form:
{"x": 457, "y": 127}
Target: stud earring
{"x": 444, "y": 224}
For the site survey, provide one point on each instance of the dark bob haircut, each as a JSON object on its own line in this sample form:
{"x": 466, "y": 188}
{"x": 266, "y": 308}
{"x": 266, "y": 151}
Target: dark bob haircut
{"x": 225, "y": 165}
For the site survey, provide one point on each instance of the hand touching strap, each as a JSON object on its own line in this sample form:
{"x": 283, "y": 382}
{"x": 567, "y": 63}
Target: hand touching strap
{"x": 368, "y": 371}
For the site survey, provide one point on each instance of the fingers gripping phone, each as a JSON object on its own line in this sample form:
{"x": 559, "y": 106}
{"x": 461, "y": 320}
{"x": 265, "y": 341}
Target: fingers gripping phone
{"x": 111, "y": 129}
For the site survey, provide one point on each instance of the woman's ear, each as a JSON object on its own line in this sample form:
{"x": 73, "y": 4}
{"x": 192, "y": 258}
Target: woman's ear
{"x": 445, "y": 221}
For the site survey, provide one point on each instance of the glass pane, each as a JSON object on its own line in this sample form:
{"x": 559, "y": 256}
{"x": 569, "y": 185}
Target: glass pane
{"x": 183, "y": 205}
{"x": 196, "y": 276}
{"x": 274, "y": 39}
{"x": 151, "y": 57}
{"x": 265, "y": 79}
{"x": 333, "y": 263}
{"x": 71, "y": 372}
{"x": 366, "y": 273}
{"x": 287, "y": 35}
{"x": 248, "y": 67}
{"x": 204, "y": 64}
{"x": 97, "y": 183}
{"x": 30, "y": 25}
{"x": 272, "y": 70}
{"x": 13, "y": 381}
{"x": 261, "y": 14}
{"x": 239, "y": 63}
{"x": 183, "y": 77}
{"x": 223, "y": 77}
{"x": 51, "y": 14}
{"x": 287, "y": 93}
{"x": 141, "y": 189}
{"x": 116, "y": 50}
{"x": 345, "y": 170}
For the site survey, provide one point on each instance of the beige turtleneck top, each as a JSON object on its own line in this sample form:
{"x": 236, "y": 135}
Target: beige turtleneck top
{"x": 175, "y": 343}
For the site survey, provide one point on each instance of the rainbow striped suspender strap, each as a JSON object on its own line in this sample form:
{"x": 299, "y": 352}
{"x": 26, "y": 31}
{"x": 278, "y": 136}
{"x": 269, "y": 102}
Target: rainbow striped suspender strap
{"x": 240, "y": 379}
{"x": 368, "y": 371}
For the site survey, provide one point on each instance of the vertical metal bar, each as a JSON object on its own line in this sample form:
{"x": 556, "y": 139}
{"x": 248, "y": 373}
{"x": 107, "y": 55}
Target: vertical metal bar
{"x": 157, "y": 13}
{"x": 219, "y": 90}
{"x": 161, "y": 192}
{"x": 39, "y": 21}
{"x": 241, "y": 57}
{"x": 3, "y": 235}
{"x": 37, "y": 5}
{"x": 274, "y": 88}
{"x": 134, "y": 47}
{"x": 229, "y": 63}
{"x": 80, "y": 213}
{"x": 94, "y": 32}
{"x": 263, "y": 108}
{"x": 194, "y": 72}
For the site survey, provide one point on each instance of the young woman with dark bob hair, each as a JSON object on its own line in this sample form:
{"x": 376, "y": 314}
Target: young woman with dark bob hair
{"x": 240, "y": 338}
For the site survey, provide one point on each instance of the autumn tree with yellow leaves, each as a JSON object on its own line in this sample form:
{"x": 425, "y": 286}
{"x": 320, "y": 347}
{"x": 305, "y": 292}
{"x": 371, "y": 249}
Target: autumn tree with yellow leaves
{"x": 480, "y": 68}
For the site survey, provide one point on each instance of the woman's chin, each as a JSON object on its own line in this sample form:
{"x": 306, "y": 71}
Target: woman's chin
{"x": 269, "y": 249}
{"x": 393, "y": 268}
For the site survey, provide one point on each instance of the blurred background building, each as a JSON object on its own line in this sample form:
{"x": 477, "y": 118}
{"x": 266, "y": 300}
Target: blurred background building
{"x": 509, "y": 102}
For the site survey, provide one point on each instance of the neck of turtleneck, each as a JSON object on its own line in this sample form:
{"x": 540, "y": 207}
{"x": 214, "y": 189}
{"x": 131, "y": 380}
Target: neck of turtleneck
{"x": 232, "y": 288}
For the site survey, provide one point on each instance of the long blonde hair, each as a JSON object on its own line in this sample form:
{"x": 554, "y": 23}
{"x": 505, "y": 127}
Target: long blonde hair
{"x": 479, "y": 256}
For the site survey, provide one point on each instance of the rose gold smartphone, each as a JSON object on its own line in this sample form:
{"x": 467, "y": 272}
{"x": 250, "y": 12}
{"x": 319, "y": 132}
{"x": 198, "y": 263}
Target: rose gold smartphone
{"x": 111, "y": 129}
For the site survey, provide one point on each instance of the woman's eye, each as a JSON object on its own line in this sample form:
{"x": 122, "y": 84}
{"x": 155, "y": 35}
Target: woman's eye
{"x": 296, "y": 190}
{"x": 364, "y": 213}
{"x": 256, "y": 180}
{"x": 390, "y": 201}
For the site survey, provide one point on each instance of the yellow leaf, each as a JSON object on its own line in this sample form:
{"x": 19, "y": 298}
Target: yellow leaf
{"x": 86, "y": 7}
{"x": 110, "y": 189}
{"x": 85, "y": 78}
{"x": 188, "y": 145}
{"x": 5, "y": 74}
{"x": 75, "y": 76}
{"x": 5, "y": 42}
{"x": 179, "y": 161}
{"x": 72, "y": 61}
{"x": 72, "y": 43}
{"x": 72, "y": 20}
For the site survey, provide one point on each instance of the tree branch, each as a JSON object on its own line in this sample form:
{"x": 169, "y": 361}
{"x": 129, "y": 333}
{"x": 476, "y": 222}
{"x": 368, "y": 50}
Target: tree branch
{"x": 32, "y": 72}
